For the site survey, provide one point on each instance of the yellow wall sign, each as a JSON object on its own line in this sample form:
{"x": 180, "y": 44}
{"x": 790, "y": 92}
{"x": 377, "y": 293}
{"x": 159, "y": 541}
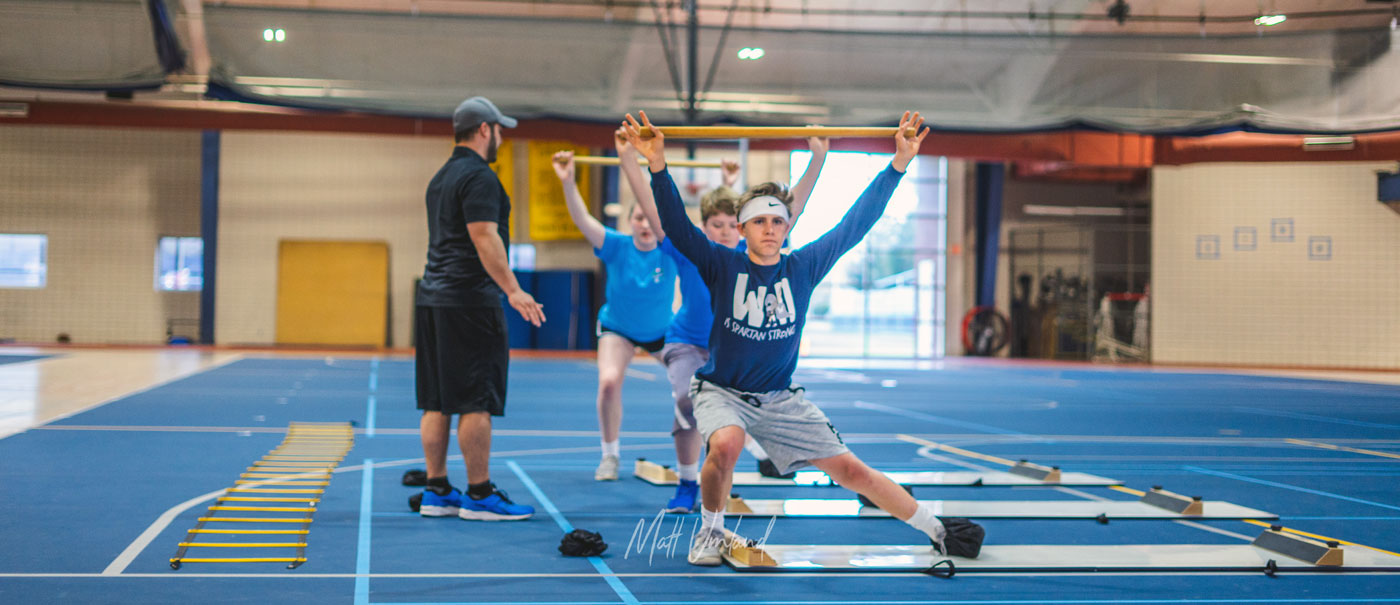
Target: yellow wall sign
{"x": 549, "y": 217}
{"x": 505, "y": 170}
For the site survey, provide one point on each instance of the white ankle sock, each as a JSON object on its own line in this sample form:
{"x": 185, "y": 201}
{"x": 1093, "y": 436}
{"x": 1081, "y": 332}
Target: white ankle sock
{"x": 611, "y": 448}
{"x": 711, "y": 521}
{"x": 754, "y": 449}
{"x": 925, "y": 521}
{"x": 688, "y": 472}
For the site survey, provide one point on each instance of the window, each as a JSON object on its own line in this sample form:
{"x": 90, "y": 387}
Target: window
{"x": 23, "y": 260}
{"x": 180, "y": 264}
{"x": 884, "y": 298}
{"x": 522, "y": 257}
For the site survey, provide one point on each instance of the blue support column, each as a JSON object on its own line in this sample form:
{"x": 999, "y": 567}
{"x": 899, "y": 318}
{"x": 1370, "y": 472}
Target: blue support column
{"x": 989, "y": 180}
{"x": 209, "y": 230}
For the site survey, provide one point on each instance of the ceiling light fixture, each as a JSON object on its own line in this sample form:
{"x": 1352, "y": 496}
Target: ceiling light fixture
{"x": 1337, "y": 143}
{"x": 751, "y": 53}
{"x": 1270, "y": 20}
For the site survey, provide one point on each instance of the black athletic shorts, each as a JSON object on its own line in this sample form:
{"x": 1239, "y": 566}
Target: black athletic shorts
{"x": 461, "y": 359}
{"x": 652, "y": 346}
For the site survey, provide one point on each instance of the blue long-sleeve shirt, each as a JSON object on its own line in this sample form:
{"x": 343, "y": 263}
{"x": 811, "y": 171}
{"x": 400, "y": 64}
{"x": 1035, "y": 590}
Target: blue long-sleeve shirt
{"x": 759, "y": 310}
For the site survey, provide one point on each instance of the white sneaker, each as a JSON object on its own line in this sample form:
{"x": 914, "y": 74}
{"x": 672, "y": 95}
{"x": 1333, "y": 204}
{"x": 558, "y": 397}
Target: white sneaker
{"x": 607, "y": 469}
{"x": 706, "y": 548}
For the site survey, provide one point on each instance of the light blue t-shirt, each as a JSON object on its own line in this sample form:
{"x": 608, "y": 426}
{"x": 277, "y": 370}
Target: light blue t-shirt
{"x": 692, "y": 322}
{"x": 641, "y": 288}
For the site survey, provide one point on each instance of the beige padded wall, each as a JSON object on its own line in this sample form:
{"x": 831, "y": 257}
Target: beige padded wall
{"x": 960, "y": 292}
{"x": 1281, "y": 303}
{"x": 104, "y": 197}
{"x": 317, "y": 186}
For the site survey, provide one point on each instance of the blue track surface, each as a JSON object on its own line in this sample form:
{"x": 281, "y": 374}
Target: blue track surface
{"x": 78, "y": 492}
{"x": 8, "y": 359}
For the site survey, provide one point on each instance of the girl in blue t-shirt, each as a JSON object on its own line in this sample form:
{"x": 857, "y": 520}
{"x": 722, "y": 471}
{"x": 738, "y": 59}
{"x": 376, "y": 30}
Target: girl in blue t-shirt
{"x": 637, "y": 309}
{"x": 688, "y": 339}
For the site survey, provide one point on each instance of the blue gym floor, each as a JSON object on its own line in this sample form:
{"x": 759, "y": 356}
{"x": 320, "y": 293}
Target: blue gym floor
{"x": 9, "y": 359}
{"x": 96, "y": 503}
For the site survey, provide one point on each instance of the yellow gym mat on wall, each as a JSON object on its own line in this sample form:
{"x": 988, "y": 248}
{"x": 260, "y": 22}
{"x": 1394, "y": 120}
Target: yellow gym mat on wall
{"x": 332, "y": 292}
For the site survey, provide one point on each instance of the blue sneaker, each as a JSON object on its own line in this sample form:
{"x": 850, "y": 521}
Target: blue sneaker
{"x": 684, "y": 500}
{"x": 434, "y": 505}
{"x": 496, "y": 507}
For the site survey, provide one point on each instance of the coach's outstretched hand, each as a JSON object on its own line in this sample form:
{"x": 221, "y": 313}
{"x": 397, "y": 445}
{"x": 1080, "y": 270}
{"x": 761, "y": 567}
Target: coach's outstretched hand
{"x": 906, "y": 148}
{"x": 525, "y": 304}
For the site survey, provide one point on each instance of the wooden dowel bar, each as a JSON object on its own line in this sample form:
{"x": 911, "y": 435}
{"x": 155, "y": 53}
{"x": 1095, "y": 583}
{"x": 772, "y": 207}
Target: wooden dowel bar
{"x": 776, "y": 132}
{"x": 593, "y": 160}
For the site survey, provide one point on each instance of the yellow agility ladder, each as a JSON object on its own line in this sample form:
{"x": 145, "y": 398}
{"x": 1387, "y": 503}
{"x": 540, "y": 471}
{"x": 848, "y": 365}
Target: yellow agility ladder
{"x": 298, "y": 470}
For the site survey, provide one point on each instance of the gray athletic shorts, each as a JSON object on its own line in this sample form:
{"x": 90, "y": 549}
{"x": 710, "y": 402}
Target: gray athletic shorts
{"x": 789, "y": 427}
{"x": 681, "y": 361}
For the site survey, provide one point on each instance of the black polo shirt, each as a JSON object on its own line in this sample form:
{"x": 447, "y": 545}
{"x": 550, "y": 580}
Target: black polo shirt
{"x": 465, "y": 190}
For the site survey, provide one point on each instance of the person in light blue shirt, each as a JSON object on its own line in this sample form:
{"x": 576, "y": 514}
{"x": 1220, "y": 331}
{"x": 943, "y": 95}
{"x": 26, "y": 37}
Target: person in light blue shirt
{"x": 760, "y": 298}
{"x": 639, "y": 295}
{"x": 688, "y": 339}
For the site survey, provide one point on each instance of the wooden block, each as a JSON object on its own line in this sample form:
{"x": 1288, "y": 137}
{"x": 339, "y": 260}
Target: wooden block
{"x": 1298, "y": 547}
{"x": 737, "y": 505}
{"x": 1048, "y": 474}
{"x": 744, "y": 551}
{"x": 1177, "y": 503}
{"x": 751, "y": 556}
{"x": 652, "y": 472}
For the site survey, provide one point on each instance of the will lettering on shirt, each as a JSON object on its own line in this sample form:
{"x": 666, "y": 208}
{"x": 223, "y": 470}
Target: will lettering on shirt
{"x": 762, "y": 314}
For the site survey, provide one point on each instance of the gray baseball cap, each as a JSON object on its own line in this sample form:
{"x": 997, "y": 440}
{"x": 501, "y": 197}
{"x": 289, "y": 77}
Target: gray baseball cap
{"x": 477, "y": 110}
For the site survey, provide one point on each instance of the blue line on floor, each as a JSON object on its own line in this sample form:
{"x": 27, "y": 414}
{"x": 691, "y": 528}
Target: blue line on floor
{"x": 986, "y": 428}
{"x": 369, "y": 416}
{"x": 373, "y": 388}
{"x": 1206, "y": 471}
{"x": 598, "y": 564}
{"x": 1283, "y": 414}
{"x": 1027, "y": 602}
{"x": 973, "y": 602}
{"x": 1293, "y": 518}
{"x": 362, "y": 553}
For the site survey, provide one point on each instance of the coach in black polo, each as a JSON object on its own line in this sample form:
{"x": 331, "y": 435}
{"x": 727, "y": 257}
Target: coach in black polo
{"x": 461, "y": 327}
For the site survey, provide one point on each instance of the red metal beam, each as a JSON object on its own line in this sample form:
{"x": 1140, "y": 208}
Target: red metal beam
{"x": 1251, "y": 147}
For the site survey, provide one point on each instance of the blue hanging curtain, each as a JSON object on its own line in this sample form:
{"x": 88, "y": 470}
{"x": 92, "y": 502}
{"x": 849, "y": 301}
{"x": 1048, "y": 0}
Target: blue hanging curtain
{"x": 990, "y": 176}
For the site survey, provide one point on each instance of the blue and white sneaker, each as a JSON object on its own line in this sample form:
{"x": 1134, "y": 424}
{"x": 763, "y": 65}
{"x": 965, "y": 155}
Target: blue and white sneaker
{"x": 684, "y": 500}
{"x": 496, "y": 507}
{"x": 434, "y": 505}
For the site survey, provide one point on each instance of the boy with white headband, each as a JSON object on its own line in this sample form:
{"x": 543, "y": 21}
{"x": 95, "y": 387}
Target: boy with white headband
{"x": 760, "y": 299}
{"x": 688, "y": 340}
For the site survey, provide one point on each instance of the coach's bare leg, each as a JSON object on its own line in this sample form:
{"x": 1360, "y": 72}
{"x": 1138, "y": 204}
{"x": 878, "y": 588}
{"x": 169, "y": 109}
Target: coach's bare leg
{"x": 474, "y": 437}
{"x": 433, "y": 428}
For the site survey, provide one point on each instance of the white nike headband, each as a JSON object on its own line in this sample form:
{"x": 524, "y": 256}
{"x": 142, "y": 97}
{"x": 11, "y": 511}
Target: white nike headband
{"x": 763, "y": 205}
